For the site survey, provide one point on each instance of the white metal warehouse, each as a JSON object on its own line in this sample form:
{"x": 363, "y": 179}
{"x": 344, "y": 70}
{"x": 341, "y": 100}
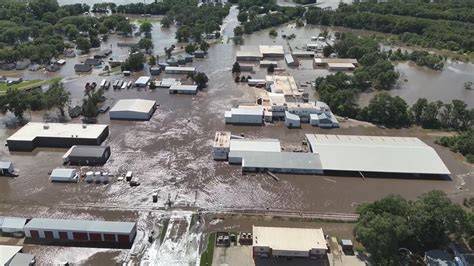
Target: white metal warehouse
{"x": 81, "y": 230}
{"x": 56, "y": 135}
{"x": 133, "y": 109}
{"x": 289, "y": 242}
{"x": 376, "y": 154}
{"x": 247, "y": 115}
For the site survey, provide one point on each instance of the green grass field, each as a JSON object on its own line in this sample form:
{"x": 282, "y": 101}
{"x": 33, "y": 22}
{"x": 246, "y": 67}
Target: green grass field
{"x": 27, "y": 84}
{"x": 206, "y": 257}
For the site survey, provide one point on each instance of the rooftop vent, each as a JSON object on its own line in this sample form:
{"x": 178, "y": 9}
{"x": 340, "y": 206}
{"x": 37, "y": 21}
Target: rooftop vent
{"x": 45, "y": 126}
{"x": 84, "y": 126}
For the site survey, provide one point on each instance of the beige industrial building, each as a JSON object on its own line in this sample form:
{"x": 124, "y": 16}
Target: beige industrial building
{"x": 336, "y": 64}
{"x": 289, "y": 242}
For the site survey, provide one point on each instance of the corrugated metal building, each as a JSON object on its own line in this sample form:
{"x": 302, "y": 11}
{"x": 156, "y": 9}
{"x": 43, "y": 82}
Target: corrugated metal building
{"x": 378, "y": 154}
{"x": 142, "y": 81}
{"x": 87, "y": 155}
{"x": 133, "y": 109}
{"x": 81, "y": 230}
{"x": 56, "y": 135}
{"x": 250, "y": 115}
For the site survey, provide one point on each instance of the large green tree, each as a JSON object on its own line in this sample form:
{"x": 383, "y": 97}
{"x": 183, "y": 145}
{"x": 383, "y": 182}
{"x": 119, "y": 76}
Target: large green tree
{"x": 56, "y": 96}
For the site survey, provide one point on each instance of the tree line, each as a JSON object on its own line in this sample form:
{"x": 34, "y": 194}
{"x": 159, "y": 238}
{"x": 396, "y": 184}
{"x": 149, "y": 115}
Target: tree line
{"x": 462, "y": 143}
{"x": 392, "y": 224}
{"x": 41, "y": 29}
{"x": 17, "y": 101}
{"x": 255, "y": 15}
{"x": 341, "y": 91}
{"x": 411, "y": 28}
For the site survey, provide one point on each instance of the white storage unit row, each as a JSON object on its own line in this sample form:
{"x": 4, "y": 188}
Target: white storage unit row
{"x": 81, "y": 230}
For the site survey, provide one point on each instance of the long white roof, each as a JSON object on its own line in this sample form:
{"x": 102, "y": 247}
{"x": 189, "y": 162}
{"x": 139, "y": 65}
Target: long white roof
{"x": 289, "y": 239}
{"x": 33, "y": 130}
{"x": 376, "y": 154}
{"x": 80, "y": 225}
{"x": 255, "y": 145}
{"x": 133, "y": 105}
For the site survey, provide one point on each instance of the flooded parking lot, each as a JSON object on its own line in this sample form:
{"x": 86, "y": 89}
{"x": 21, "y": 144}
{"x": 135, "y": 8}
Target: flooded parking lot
{"x": 171, "y": 153}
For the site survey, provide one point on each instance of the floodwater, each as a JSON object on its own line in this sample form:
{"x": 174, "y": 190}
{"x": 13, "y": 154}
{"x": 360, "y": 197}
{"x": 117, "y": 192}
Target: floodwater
{"x": 446, "y": 85}
{"x": 171, "y": 155}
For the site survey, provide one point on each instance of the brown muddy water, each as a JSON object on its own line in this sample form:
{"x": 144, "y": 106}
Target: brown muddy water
{"x": 171, "y": 155}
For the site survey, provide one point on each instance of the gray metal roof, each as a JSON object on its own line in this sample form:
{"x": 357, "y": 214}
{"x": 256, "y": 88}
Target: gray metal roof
{"x": 255, "y": 145}
{"x": 80, "y": 225}
{"x": 13, "y": 222}
{"x": 87, "y": 151}
{"x": 282, "y": 160}
{"x": 5, "y": 164}
{"x": 346, "y": 242}
{"x": 22, "y": 259}
{"x": 376, "y": 154}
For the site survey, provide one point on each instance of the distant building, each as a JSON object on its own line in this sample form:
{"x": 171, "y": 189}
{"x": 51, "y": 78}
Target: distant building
{"x": 324, "y": 120}
{"x": 199, "y": 54}
{"x": 142, "y": 81}
{"x": 248, "y": 115}
{"x": 103, "y": 53}
{"x": 93, "y": 62}
{"x": 292, "y": 120}
{"x": 87, "y": 155}
{"x": 56, "y": 135}
{"x": 303, "y": 54}
{"x": 272, "y": 51}
{"x": 133, "y": 109}
{"x": 289, "y": 242}
{"x": 82, "y": 68}
{"x": 155, "y": 70}
{"x": 180, "y": 70}
{"x": 183, "y": 89}
{"x": 167, "y": 83}
{"x": 249, "y": 53}
{"x": 336, "y": 64}
{"x": 291, "y": 61}
{"x": 6, "y": 168}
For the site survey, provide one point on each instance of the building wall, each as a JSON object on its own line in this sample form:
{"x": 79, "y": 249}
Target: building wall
{"x": 57, "y": 142}
{"x": 281, "y": 170}
{"x": 220, "y": 153}
{"x": 130, "y": 115}
{"x": 80, "y": 235}
{"x": 73, "y": 160}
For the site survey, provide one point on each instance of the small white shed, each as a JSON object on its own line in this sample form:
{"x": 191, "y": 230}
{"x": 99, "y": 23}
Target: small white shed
{"x": 142, "y": 81}
{"x": 64, "y": 175}
{"x": 292, "y": 120}
{"x": 6, "y": 168}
